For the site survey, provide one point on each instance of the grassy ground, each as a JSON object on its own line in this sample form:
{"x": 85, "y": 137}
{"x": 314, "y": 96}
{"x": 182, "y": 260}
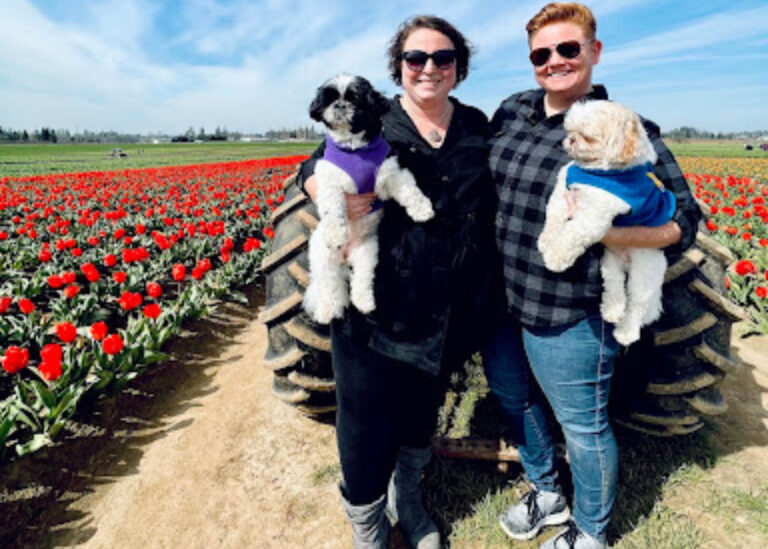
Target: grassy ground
{"x": 709, "y": 489}
{"x": 19, "y": 160}
{"x": 714, "y": 148}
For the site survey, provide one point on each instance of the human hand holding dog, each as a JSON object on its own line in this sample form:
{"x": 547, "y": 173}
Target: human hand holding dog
{"x": 358, "y": 205}
{"x": 643, "y": 237}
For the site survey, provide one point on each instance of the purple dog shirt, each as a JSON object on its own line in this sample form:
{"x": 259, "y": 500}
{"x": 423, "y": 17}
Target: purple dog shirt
{"x": 361, "y": 165}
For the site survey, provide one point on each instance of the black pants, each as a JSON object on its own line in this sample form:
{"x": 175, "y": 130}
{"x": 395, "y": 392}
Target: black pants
{"x": 383, "y": 404}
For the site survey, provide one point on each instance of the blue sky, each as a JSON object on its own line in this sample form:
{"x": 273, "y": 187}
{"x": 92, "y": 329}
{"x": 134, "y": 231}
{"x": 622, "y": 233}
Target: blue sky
{"x": 162, "y": 66}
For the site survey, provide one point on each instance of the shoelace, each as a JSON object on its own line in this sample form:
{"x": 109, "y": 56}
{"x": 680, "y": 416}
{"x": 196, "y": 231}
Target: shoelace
{"x": 570, "y": 535}
{"x": 531, "y": 505}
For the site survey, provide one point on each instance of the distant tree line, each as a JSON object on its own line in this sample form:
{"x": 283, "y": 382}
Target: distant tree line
{"x": 37, "y": 136}
{"x": 307, "y": 133}
{"x": 49, "y": 135}
{"x": 686, "y": 132}
{"x": 219, "y": 134}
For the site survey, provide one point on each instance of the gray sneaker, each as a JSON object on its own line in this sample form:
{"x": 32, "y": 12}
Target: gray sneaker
{"x": 572, "y": 537}
{"x": 535, "y": 510}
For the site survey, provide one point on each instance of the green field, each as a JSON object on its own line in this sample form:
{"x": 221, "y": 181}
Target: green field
{"x": 712, "y": 148}
{"x": 20, "y": 160}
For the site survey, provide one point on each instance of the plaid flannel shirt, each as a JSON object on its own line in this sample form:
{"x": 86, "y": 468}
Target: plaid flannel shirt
{"x": 526, "y": 155}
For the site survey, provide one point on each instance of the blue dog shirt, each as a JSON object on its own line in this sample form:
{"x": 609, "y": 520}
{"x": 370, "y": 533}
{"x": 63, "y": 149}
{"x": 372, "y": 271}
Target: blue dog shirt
{"x": 651, "y": 204}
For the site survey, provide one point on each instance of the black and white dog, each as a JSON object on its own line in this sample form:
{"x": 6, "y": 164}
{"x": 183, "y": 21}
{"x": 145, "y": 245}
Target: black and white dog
{"x": 357, "y": 160}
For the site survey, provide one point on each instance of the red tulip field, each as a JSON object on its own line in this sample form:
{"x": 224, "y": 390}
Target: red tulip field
{"x": 99, "y": 269}
{"x": 734, "y": 193}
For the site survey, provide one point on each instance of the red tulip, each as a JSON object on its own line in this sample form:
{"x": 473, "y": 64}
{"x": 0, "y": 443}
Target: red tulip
{"x": 66, "y": 332}
{"x": 44, "y": 255}
{"x": 26, "y": 306}
{"x": 55, "y": 281}
{"x": 50, "y": 367}
{"x": 761, "y": 292}
{"x": 51, "y": 353}
{"x": 51, "y": 371}
{"x": 178, "y": 272}
{"x": 154, "y": 290}
{"x": 112, "y": 344}
{"x": 15, "y": 359}
{"x": 99, "y": 330}
{"x": 129, "y": 301}
{"x": 119, "y": 277}
{"x": 5, "y": 302}
{"x": 90, "y": 272}
{"x": 110, "y": 260}
{"x": 71, "y": 291}
{"x": 68, "y": 277}
{"x": 152, "y": 311}
{"x": 745, "y": 267}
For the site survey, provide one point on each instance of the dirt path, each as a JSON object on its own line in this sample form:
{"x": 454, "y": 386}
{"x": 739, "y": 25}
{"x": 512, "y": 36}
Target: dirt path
{"x": 201, "y": 456}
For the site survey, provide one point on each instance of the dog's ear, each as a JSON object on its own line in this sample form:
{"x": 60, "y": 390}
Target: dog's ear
{"x": 319, "y": 103}
{"x": 633, "y": 139}
{"x": 375, "y": 102}
{"x": 380, "y": 103}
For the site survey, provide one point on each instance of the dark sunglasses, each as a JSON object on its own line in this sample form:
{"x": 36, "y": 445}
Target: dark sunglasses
{"x": 417, "y": 59}
{"x": 569, "y": 50}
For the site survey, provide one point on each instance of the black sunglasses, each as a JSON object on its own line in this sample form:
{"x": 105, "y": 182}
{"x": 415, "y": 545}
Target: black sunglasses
{"x": 569, "y": 50}
{"x": 417, "y": 59}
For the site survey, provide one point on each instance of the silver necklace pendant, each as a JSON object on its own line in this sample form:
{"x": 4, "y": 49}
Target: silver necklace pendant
{"x": 434, "y": 136}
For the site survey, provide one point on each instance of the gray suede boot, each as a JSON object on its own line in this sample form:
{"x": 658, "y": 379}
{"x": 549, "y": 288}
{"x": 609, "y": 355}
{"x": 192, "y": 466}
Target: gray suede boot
{"x": 404, "y": 505}
{"x": 370, "y": 527}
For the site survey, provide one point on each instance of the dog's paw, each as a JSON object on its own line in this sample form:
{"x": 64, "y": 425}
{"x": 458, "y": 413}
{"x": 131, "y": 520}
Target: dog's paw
{"x": 626, "y": 334}
{"x": 612, "y": 312}
{"x": 653, "y": 312}
{"x": 325, "y": 311}
{"x": 363, "y": 301}
{"x": 555, "y": 262}
{"x": 421, "y": 211}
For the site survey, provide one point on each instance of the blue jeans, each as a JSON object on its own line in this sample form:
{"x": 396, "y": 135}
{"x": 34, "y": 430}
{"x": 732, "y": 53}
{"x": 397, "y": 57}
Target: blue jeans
{"x": 573, "y": 365}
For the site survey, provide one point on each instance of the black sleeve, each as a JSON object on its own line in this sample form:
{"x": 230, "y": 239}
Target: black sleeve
{"x": 688, "y": 214}
{"x": 307, "y": 168}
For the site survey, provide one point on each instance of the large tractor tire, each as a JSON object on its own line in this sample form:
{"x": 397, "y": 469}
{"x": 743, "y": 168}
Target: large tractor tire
{"x": 299, "y": 349}
{"x": 664, "y": 384}
{"x": 670, "y": 379}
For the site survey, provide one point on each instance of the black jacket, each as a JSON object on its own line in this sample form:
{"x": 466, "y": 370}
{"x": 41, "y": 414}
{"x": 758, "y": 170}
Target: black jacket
{"x": 436, "y": 282}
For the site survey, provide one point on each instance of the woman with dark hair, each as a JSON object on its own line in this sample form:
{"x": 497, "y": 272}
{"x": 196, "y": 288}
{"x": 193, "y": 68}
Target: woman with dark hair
{"x": 389, "y": 364}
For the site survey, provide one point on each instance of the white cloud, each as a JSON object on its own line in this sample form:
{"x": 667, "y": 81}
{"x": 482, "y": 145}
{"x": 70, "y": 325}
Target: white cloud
{"x": 135, "y": 65}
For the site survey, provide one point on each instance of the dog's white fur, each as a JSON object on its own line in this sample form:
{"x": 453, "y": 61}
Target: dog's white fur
{"x": 327, "y": 296}
{"x": 605, "y": 135}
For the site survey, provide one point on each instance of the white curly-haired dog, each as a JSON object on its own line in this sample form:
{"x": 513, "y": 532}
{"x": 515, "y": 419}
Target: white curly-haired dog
{"x": 612, "y": 171}
{"x": 356, "y": 160}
